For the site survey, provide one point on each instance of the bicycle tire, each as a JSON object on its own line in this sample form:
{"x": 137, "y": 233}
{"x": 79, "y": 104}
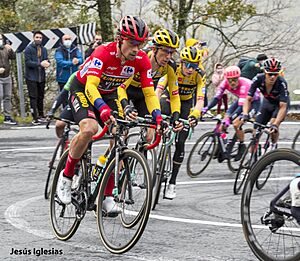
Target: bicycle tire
{"x": 159, "y": 175}
{"x": 231, "y": 162}
{"x": 52, "y": 168}
{"x": 244, "y": 168}
{"x": 210, "y": 152}
{"x": 54, "y": 199}
{"x": 104, "y": 223}
{"x": 296, "y": 140}
{"x": 263, "y": 180}
{"x": 152, "y": 160}
{"x": 248, "y": 202}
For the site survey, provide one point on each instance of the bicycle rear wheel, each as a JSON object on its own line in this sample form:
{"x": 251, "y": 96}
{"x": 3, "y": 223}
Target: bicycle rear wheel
{"x": 163, "y": 171}
{"x": 201, "y": 154}
{"x": 120, "y": 233}
{"x": 65, "y": 219}
{"x": 232, "y": 164}
{"x": 52, "y": 166}
{"x": 271, "y": 236}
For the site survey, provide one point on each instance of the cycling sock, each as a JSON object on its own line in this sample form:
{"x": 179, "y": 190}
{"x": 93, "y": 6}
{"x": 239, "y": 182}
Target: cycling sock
{"x": 175, "y": 171}
{"x": 110, "y": 185}
{"x": 70, "y": 166}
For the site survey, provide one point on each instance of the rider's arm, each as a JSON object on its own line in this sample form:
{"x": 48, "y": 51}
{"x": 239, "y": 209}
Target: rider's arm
{"x": 68, "y": 84}
{"x": 161, "y": 85}
{"x": 63, "y": 96}
{"x": 200, "y": 92}
{"x": 220, "y": 91}
{"x": 281, "y": 113}
{"x": 92, "y": 93}
{"x": 173, "y": 89}
{"x": 122, "y": 94}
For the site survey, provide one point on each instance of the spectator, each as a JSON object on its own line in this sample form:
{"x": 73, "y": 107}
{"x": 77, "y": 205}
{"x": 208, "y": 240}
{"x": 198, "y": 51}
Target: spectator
{"x": 6, "y": 54}
{"x": 68, "y": 58}
{"x": 97, "y": 42}
{"x": 253, "y": 66}
{"x": 217, "y": 78}
{"x": 36, "y": 61}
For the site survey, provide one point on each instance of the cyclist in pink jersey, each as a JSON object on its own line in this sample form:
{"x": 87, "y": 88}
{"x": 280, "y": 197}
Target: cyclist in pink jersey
{"x": 238, "y": 86}
{"x": 93, "y": 93}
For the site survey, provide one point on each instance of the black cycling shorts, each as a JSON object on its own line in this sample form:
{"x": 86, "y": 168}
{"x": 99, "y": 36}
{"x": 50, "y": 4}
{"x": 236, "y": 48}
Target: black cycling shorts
{"x": 82, "y": 108}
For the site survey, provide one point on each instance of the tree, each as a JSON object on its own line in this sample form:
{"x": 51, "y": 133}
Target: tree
{"x": 8, "y": 19}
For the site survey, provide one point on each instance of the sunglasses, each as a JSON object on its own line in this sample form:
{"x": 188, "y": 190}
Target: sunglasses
{"x": 167, "y": 50}
{"x": 136, "y": 43}
{"x": 272, "y": 74}
{"x": 233, "y": 79}
{"x": 191, "y": 65}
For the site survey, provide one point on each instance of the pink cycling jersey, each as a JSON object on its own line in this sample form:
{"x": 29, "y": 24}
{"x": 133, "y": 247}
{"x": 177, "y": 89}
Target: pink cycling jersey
{"x": 241, "y": 91}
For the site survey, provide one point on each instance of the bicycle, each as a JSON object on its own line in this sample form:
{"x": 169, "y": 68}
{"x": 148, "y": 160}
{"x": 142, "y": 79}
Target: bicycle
{"x": 164, "y": 166}
{"x": 269, "y": 227}
{"x": 137, "y": 140}
{"x": 257, "y": 147}
{"x": 132, "y": 191}
{"x": 296, "y": 142}
{"x": 61, "y": 146}
{"x": 213, "y": 144}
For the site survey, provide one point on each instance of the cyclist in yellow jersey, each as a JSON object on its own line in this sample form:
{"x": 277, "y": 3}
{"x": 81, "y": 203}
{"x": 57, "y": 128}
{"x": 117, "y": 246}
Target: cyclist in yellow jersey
{"x": 144, "y": 100}
{"x": 190, "y": 82}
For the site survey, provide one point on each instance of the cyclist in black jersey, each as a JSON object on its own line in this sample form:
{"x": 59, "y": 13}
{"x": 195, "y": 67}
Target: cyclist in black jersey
{"x": 276, "y": 99}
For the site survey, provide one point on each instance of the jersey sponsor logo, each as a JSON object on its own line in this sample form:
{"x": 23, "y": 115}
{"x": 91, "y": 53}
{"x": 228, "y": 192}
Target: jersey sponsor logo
{"x": 127, "y": 71}
{"x": 75, "y": 104}
{"x": 85, "y": 68}
{"x": 176, "y": 83}
{"x": 180, "y": 79}
{"x": 111, "y": 68}
{"x": 82, "y": 99}
{"x": 96, "y": 63}
{"x": 175, "y": 92}
{"x": 149, "y": 73}
{"x": 203, "y": 90}
{"x": 139, "y": 57}
{"x": 93, "y": 72}
{"x": 200, "y": 98}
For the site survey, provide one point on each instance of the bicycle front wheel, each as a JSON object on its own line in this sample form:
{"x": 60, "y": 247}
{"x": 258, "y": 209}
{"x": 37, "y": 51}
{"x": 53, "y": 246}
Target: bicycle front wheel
{"x": 271, "y": 235}
{"x": 296, "y": 142}
{"x": 120, "y": 232}
{"x": 65, "y": 219}
{"x": 201, "y": 154}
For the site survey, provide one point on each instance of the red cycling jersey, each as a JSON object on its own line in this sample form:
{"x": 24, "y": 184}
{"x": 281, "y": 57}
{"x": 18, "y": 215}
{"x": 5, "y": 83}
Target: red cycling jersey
{"x": 105, "y": 64}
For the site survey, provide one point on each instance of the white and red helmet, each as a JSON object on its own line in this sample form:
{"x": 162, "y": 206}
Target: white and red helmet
{"x": 232, "y": 72}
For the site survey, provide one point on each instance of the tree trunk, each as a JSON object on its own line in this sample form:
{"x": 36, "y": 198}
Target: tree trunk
{"x": 104, "y": 11}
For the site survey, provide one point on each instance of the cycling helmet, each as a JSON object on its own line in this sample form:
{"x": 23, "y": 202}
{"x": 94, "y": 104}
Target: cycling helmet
{"x": 191, "y": 42}
{"x": 232, "y": 72}
{"x": 191, "y": 54}
{"x": 272, "y": 65}
{"x": 133, "y": 27}
{"x": 166, "y": 37}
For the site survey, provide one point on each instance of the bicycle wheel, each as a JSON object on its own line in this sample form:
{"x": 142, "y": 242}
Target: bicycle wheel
{"x": 264, "y": 147}
{"x": 232, "y": 164}
{"x": 270, "y": 235}
{"x": 52, "y": 166}
{"x": 65, "y": 219}
{"x": 120, "y": 233}
{"x": 201, "y": 154}
{"x": 246, "y": 162}
{"x": 132, "y": 142}
{"x": 296, "y": 142}
{"x": 161, "y": 174}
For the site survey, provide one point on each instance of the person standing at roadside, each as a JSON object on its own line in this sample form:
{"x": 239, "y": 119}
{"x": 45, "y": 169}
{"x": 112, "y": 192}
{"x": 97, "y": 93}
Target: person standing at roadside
{"x": 36, "y": 61}
{"x": 6, "y": 54}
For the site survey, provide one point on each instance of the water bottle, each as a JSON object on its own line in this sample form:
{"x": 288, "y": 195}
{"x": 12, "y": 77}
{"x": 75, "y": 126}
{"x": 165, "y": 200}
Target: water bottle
{"x": 99, "y": 166}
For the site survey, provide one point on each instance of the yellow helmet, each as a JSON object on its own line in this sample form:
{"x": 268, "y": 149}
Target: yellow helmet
{"x": 166, "y": 37}
{"x": 191, "y": 54}
{"x": 191, "y": 42}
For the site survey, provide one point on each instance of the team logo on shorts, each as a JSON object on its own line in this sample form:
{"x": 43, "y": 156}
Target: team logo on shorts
{"x": 127, "y": 71}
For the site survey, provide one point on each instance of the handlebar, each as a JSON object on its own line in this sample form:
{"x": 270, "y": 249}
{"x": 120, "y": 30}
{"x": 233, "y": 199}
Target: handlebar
{"x": 155, "y": 143}
{"x": 101, "y": 134}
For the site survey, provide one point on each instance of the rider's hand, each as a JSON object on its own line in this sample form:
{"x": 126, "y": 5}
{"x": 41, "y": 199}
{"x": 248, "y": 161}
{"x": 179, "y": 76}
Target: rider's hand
{"x": 245, "y": 117}
{"x": 49, "y": 116}
{"x": 105, "y": 114}
{"x": 177, "y": 126}
{"x": 193, "y": 121}
{"x": 130, "y": 112}
{"x": 273, "y": 128}
{"x": 159, "y": 121}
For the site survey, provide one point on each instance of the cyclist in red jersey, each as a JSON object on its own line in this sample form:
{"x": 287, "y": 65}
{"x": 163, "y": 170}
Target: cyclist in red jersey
{"x": 93, "y": 93}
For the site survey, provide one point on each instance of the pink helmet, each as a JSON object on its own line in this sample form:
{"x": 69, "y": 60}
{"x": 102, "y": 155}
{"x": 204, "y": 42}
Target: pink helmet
{"x": 232, "y": 72}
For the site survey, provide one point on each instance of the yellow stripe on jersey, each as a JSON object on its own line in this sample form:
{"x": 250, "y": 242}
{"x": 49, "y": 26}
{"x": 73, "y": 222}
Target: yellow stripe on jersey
{"x": 151, "y": 99}
{"x": 91, "y": 88}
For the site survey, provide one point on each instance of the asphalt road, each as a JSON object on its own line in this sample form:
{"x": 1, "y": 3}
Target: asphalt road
{"x": 202, "y": 223}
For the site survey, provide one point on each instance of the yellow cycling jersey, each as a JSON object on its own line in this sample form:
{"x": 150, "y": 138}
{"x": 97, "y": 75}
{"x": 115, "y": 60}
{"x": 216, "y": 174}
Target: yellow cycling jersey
{"x": 170, "y": 71}
{"x": 187, "y": 84}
